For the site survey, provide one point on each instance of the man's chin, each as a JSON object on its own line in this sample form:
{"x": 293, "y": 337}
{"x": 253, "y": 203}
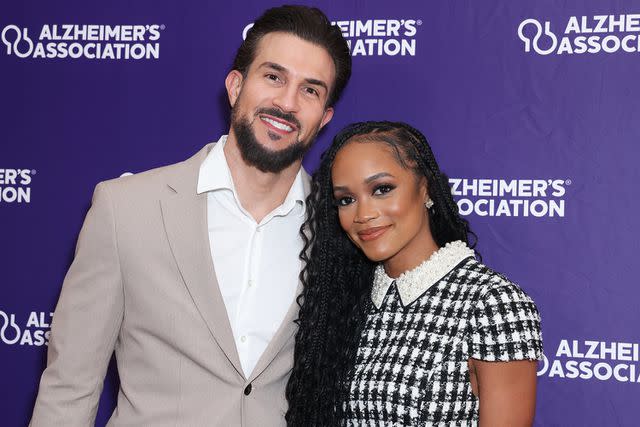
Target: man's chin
{"x": 260, "y": 150}
{"x": 274, "y": 141}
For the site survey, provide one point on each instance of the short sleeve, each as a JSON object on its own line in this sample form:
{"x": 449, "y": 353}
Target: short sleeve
{"x": 505, "y": 326}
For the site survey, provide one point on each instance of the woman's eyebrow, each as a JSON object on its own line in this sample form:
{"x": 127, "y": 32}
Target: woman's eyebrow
{"x": 376, "y": 176}
{"x": 340, "y": 188}
{"x": 366, "y": 181}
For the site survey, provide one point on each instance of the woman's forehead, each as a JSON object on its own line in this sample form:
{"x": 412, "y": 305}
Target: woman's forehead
{"x": 361, "y": 159}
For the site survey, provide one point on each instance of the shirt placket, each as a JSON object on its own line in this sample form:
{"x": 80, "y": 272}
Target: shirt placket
{"x": 244, "y": 318}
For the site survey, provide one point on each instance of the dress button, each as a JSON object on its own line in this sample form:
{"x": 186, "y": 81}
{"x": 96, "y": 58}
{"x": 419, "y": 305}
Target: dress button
{"x": 247, "y": 390}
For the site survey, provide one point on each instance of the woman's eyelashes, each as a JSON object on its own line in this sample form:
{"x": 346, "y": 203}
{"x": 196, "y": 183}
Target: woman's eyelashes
{"x": 340, "y": 201}
{"x": 378, "y": 190}
{"x": 382, "y": 189}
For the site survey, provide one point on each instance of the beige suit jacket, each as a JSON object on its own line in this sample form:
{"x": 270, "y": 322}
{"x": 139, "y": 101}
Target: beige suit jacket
{"x": 143, "y": 284}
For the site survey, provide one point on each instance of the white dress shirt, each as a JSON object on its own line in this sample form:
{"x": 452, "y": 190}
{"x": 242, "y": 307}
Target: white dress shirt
{"x": 256, "y": 264}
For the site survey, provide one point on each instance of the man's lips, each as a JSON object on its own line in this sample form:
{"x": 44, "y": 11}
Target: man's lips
{"x": 276, "y": 124}
{"x": 372, "y": 233}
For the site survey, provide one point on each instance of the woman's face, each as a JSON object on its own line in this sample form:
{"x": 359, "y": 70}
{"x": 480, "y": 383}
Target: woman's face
{"x": 381, "y": 204}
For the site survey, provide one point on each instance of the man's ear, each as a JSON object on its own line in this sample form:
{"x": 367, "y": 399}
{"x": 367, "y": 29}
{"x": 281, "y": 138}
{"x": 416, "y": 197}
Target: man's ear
{"x": 233, "y": 83}
{"x": 326, "y": 117}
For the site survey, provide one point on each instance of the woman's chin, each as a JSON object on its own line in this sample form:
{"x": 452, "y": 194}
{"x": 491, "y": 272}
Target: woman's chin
{"x": 376, "y": 255}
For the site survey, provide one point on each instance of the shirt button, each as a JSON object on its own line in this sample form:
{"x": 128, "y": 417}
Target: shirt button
{"x": 243, "y": 338}
{"x": 247, "y": 390}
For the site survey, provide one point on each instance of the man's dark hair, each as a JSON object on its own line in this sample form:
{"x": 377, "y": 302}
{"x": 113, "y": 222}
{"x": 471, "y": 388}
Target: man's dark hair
{"x": 307, "y": 23}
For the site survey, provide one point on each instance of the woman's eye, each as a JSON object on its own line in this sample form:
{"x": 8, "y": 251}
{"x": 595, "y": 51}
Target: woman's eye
{"x": 344, "y": 201}
{"x": 382, "y": 189}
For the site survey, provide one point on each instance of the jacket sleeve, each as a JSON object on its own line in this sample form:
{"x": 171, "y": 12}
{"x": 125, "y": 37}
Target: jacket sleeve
{"x": 85, "y": 324}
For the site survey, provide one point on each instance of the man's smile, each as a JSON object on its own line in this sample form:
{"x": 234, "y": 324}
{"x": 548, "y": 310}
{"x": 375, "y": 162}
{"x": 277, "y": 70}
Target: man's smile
{"x": 278, "y": 125}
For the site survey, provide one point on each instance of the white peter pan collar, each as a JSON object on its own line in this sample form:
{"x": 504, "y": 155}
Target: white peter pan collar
{"x": 413, "y": 283}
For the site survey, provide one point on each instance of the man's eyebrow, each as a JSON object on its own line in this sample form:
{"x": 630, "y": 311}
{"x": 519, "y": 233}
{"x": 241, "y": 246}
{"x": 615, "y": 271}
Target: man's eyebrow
{"x": 280, "y": 68}
{"x": 273, "y": 66}
{"x": 317, "y": 82}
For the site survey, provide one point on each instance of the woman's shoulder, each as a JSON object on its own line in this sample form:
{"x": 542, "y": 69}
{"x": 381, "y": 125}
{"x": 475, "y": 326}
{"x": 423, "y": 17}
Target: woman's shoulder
{"x": 490, "y": 283}
{"x": 505, "y": 324}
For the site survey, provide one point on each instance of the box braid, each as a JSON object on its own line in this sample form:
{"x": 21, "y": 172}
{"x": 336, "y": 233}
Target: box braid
{"x": 444, "y": 218}
{"x": 337, "y": 277}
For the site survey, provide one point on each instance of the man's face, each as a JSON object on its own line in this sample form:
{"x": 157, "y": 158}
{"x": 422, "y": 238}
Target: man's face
{"x": 280, "y": 105}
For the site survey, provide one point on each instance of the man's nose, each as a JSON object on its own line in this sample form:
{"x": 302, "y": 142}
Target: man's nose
{"x": 287, "y": 99}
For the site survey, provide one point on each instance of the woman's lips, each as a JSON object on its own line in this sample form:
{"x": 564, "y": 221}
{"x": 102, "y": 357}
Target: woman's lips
{"x": 372, "y": 233}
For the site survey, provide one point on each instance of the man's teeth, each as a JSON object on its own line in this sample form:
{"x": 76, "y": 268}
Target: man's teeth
{"x": 278, "y": 125}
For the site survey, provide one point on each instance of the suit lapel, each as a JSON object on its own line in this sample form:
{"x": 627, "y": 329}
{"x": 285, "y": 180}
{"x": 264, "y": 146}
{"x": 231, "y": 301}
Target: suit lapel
{"x": 184, "y": 213}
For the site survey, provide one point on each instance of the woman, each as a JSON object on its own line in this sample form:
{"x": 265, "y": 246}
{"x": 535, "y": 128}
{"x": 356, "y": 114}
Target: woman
{"x": 399, "y": 323}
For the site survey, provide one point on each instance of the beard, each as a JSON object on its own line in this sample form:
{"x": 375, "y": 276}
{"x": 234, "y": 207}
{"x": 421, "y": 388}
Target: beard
{"x": 255, "y": 154}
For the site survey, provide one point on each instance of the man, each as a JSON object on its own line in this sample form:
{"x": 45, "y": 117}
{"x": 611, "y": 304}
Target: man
{"x": 190, "y": 271}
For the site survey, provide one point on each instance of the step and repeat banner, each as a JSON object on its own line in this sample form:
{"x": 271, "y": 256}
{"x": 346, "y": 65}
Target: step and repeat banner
{"x": 532, "y": 108}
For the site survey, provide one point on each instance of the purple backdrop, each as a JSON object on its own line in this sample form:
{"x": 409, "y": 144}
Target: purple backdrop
{"x": 531, "y": 108}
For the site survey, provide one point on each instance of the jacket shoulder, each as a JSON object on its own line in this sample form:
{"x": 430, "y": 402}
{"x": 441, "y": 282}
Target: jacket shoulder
{"x": 153, "y": 182}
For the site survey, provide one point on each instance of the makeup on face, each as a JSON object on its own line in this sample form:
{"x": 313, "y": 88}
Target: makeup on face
{"x": 380, "y": 204}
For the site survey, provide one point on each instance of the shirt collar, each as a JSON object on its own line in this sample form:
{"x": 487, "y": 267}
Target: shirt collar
{"x": 297, "y": 192}
{"x": 215, "y": 175}
{"x": 214, "y": 171}
{"x": 413, "y": 283}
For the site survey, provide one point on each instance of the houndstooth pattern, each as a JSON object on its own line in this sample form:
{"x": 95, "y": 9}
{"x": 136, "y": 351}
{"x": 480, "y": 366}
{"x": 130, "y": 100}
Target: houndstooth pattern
{"x": 411, "y": 366}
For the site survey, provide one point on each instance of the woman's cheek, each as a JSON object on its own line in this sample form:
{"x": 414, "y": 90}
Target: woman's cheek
{"x": 393, "y": 206}
{"x": 345, "y": 219}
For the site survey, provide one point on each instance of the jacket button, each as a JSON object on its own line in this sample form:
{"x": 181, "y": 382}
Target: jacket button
{"x": 247, "y": 390}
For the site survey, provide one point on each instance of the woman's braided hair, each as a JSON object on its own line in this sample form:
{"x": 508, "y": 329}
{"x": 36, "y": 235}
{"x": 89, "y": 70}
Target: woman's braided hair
{"x": 337, "y": 276}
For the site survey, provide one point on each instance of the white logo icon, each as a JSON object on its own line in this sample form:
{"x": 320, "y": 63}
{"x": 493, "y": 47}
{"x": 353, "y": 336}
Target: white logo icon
{"x": 14, "y": 47}
{"x": 536, "y": 39}
{"x": 246, "y": 30}
{"x": 545, "y": 365}
{"x": 9, "y": 321}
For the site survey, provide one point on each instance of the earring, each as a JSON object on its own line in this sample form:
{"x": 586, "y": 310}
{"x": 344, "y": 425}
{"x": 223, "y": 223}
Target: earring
{"x": 429, "y": 203}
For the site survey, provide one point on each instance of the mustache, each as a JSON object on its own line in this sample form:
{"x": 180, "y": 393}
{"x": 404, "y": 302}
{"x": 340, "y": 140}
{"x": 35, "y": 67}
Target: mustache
{"x": 276, "y": 112}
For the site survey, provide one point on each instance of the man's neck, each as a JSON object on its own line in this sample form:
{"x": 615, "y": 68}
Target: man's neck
{"x": 259, "y": 192}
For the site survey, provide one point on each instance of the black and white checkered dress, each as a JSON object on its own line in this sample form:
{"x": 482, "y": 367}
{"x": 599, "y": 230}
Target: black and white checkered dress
{"x": 411, "y": 366}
